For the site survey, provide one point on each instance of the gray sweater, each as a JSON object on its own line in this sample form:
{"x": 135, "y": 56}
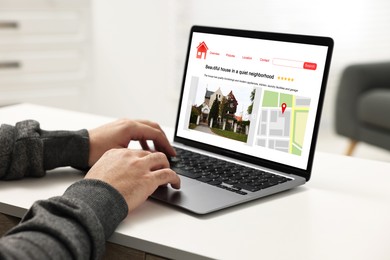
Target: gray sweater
{"x": 72, "y": 226}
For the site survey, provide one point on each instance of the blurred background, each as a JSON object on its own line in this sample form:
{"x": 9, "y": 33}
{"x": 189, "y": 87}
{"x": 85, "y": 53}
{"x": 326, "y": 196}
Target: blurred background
{"x": 125, "y": 58}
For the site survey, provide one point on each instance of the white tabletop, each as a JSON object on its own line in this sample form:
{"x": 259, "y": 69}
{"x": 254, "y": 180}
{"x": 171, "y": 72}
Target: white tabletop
{"x": 343, "y": 212}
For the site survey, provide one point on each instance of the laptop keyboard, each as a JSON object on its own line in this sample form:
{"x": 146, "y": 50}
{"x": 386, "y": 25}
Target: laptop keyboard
{"x": 226, "y": 175}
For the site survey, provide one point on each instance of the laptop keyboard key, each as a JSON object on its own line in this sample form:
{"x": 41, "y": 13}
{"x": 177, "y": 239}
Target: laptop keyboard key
{"x": 187, "y": 173}
{"x": 205, "y": 179}
{"x": 215, "y": 182}
{"x": 246, "y": 187}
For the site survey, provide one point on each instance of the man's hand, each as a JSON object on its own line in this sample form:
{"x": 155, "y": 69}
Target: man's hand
{"x": 118, "y": 134}
{"x": 136, "y": 174}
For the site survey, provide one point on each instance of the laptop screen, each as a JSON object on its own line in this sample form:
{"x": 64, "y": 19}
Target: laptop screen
{"x": 253, "y": 95}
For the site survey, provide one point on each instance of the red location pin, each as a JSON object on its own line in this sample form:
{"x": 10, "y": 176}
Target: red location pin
{"x": 283, "y": 107}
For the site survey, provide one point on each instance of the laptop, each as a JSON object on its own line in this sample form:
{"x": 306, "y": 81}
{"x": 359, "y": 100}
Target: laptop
{"x": 248, "y": 116}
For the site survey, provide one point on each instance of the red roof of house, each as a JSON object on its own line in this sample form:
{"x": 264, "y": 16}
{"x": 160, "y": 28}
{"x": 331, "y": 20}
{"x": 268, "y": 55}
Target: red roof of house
{"x": 238, "y": 118}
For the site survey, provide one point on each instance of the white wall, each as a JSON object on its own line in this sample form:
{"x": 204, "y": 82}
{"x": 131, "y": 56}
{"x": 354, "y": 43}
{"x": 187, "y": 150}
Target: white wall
{"x": 140, "y": 46}
{"x": 134, "y": 64}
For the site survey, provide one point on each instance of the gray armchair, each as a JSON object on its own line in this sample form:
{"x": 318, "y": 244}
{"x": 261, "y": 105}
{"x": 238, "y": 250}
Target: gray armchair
{"x": 363, "y": 105}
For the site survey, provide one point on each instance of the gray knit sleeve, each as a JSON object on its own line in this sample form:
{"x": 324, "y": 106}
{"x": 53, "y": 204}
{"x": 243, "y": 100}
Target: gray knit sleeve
{"x": 27, "y": 150}
{"x": 73, "y": 226}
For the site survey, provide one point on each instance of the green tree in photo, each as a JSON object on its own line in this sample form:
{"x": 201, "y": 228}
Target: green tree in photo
{"x": 214, "y": 112}
{"x": 252, "y": 97}
{"x": 195, "y": 112}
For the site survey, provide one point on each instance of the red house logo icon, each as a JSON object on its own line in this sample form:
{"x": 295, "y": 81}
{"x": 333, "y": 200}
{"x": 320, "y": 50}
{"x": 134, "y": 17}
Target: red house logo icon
{"x": 202, "y": 50}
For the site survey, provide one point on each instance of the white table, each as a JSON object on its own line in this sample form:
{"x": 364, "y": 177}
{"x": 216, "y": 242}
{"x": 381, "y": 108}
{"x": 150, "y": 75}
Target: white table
{"x": 343, "y": 212}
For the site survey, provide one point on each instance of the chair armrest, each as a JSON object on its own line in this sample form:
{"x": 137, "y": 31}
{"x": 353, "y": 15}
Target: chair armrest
{"x": 355, "y": 81}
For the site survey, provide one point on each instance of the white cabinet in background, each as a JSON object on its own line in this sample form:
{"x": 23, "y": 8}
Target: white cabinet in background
{"x": 45, "y": 50}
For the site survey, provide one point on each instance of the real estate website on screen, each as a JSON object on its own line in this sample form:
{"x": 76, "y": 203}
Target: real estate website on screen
{"x": 256, "y": 97}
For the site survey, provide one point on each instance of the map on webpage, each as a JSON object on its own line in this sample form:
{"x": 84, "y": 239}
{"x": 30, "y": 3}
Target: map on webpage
{"x": 282, "y": 123}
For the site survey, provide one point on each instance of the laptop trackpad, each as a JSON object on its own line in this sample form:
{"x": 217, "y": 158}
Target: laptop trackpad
{"x": 198, "y": 197}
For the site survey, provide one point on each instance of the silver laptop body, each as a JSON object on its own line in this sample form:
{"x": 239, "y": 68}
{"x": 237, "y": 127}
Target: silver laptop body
{"x": 251, "y": 101}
